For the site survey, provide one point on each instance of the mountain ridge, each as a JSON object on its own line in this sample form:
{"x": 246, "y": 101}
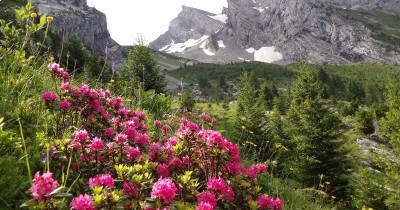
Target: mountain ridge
{"x": 88, "y": 23}
{"x": 283, "y": 32}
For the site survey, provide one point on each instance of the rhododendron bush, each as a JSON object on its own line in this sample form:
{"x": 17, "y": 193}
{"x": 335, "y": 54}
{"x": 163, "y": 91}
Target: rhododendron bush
{"x": 108, "y": 156}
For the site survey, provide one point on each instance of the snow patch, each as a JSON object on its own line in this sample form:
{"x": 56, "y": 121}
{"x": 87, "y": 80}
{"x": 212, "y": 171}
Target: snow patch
{"x": 180, "y": 47}
{"x": 260, "y": 9}
{"x": 205, "y": 50}
{"x": 221, "y": 43}
{"x": 254, "y": 1}
{"x": 220, "y": 17}
{"x": 251, "y": 50}
{"x": 208, "y": 52}
{"x": 267, "y": 54}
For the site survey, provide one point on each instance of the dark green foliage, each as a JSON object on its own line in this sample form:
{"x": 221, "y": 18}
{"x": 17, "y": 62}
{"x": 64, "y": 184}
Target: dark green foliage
{"x": 187, "y": 102}
{"x": 143, "y": 70}
{"x": 391, "y": 129}
{"x": 74, "y": 55}
{"x": 316, "y": 147}
{"x": 268, "y": 93}
{"x": 364, "y": 122}
{"x": 251, "y": 120}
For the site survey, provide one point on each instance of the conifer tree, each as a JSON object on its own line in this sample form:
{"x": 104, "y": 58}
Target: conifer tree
{"x": 391, "y": 129}
{"x": 251, "y": 114}
{"x": 142, "y": 68}
{"x": 315, "y": 137}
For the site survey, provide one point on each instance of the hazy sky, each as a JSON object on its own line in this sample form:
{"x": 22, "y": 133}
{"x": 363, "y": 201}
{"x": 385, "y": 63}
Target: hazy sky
{"x": 128, "y": 19}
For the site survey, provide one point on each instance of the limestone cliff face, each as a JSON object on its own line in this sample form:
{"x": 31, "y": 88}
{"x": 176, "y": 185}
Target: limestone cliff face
{"x": 283, "y": 31}
{"x": 90, "y": 25}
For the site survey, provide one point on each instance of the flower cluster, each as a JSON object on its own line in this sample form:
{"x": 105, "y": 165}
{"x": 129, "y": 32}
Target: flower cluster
{"x": 43, "y": 185}
{"x": 165, "y": 190}
{"x": 266, "y": 202}
{"x": 82, "y": 202}
{"x": 174, "y": 163}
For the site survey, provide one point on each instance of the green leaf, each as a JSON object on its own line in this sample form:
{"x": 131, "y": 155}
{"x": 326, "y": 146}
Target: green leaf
{"x": 56, "y": 191}
{"x": 28, "y": 6}
{"x": 62, "y": 195}
{"x": 29, "y": 203}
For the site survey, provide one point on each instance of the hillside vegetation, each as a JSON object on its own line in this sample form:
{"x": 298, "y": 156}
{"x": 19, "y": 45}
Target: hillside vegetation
{"x": 265, "y": 136}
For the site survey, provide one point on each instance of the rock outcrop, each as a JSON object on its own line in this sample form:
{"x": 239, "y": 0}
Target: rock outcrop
{"x": 284, "y": 31}
{"x": 90, "y": 25}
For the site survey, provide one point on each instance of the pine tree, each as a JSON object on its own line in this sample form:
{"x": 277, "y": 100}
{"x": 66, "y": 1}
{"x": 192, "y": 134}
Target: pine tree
{"x": 391, "y": 129}
{"x": 142, "y": 68}
{"x": 269, "y": 92}
{"x": 251, "y": 118}
{"x": 313, "y": 129}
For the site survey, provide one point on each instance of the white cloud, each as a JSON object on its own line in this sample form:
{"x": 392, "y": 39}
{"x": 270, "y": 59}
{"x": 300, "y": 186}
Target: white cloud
{"x": 127, "y": 19}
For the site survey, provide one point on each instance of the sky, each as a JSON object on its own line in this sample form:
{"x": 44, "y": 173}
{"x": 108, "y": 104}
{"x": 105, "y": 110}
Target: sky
{"x": 129, "y": 19}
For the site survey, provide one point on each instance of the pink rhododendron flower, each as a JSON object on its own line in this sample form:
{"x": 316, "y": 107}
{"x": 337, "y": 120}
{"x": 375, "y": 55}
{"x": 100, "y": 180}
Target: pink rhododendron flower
{"x": 65, "y": 86}
{"x": 165, "y": 129}
{"x": 82, "y": 202}
{"x": 157, "y": 123}
{"x": 130, "y": 189}
{"x": 108, "y": 132}
{"x": 132, "y": 152}
{"x": 207, "y": 118}
{"x": 131, "y": 132}
{"x": 165, "y": 190}
{"x": 48, "y": 96}
{"x": 81, "y": 136}
{"x": 204, "y": 206}
{"x": 265, "y": 202}
{"x": 219, "y": 185}
{"x": 207, "y": 197}
{"x": 142, "y": 139}
{"x": 43, "y": 185}
{"x": 96, "y": 144}
{"x": 104, "y": 180}
{"x": 162, "y": 170}
{"x": 65, "y": 105}
{"x": 121, "y": 138}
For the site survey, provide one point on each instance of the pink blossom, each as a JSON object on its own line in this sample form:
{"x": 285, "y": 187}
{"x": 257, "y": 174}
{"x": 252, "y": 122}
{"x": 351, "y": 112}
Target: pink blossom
{"x": 207, "y": 197}
{"x": 208, "y": 119}
{"x": 111, "y": 146}
{"x": 265, "y": 202}
{"x": 130, "y": 189}
{"x": 162, "y": 170}
{"x": 157, "y": 123}
{"x": 165, "y": 190}
{"x": 64, "y": 75}
{"x": 81, "y": 136}
{"x": 43, "y": 185}
{"x": 82, "y": 202}
{"x": 108, "y": 132}
{"x": 133, "y": 152}
{"x": 65, "y": 86}
{"x": 48, "y": 96}
{"x": 142, "y": 139}
{"x": 121, "y": 138}
{"x": 54, "y": 67}
{"x": 65, "y": 105}
{"x": 130, "y": 132}
{"x": 165, "y": 129}
{"x": 96, "y": 144}
{"x": 204, "y": 206}
{"x": 104, "y": 180}
{"x": 219, "y": 185}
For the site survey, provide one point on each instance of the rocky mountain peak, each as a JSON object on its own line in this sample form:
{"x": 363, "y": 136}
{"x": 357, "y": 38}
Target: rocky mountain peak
{"x": 89, "y": 24}
{"x": 285, "y": 31}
